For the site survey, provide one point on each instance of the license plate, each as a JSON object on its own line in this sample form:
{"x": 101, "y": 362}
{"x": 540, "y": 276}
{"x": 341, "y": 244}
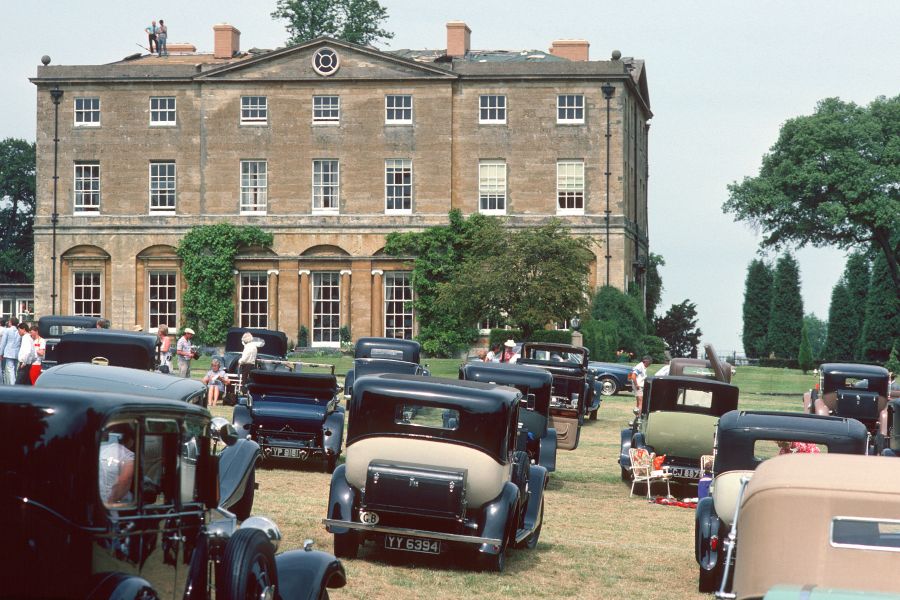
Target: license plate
{"x": 685, "y": 472}
{"x": 286, "y": 452}
{"x": 411, "y": 544}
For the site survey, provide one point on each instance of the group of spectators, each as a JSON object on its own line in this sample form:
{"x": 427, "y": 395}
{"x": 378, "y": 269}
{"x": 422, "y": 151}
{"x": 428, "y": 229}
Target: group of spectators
{"x": 22, "y": 349}
{"x": 500, "y": 353}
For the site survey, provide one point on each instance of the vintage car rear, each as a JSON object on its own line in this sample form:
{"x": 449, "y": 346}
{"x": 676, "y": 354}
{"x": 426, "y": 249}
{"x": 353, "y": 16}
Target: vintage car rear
{"x": 374, "y": 355}
{"x": 535, "y": 434}
{"x": 820, "y": 521}
{"x": 678, "y": 418}
{"x": 431, "y": 467}
{"x": 572, "y": 396}
{"x": 53, "y": 327}
{"x": 744, "y": 439}
{"x": 293, "y": 415}
{"x": 131, "y": 349}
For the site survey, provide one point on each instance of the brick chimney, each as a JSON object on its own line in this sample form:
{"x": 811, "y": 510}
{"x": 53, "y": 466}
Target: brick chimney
{"x": 458, "y": 38}
{"x": 227, "y": 40}
{"x": 571, "y": 49}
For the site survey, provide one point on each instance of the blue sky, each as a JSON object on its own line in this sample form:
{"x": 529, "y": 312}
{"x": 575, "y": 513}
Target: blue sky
{"x": 723, "y": 76}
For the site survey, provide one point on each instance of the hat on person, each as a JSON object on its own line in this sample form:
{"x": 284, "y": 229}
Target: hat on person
{"x": 137, "y": 328}
{"x": 189, "y": 330}
{"x": 509, "y": 343}
{"x": 247, "y": 337}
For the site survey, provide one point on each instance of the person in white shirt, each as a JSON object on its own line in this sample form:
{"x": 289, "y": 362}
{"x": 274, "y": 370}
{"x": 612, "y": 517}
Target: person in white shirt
{"x": 26, "y": 355}
{"x": 38, "y": 341}
{"x": 248, "y": 357}
{"x": 638, "y": 376}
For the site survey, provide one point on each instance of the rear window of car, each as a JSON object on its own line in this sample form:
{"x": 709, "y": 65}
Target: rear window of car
{"x": 866, "y": 534}
{"x": 57, "y": 330}
{"x": 433, "y": 417}
{"x": 701, "y": 398}
{"x": 766, "y": 449}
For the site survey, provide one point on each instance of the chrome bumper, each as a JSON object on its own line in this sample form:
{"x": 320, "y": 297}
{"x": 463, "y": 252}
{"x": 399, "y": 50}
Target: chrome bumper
{"x": 434, "y": 535}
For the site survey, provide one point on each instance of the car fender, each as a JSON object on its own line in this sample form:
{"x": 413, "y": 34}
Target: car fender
{"x": 341, "y": 499}
{"x": 537, "y": 482}
{"x": 624, "y": 446}
{"x": 496, "y": 515}
{"x": 236, "y": 462}
{"x": 334, "y": 423}
{"x": 348, "y": 382}
{"x": 305, "y": 574}
{"x": 547, "y": 452}
{"x": 706, "y": 525}
{"x": 242, "y": 419}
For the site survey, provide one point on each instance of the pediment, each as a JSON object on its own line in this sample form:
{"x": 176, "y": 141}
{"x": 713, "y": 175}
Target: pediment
{"x": 295, "y": 63}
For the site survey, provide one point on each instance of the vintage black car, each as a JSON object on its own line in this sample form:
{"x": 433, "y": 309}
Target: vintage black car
{"x": 857, "y": 391}
{"x": 107, "y": 495}
{"x": 53, "y": 327}
{"x": 131, "y": 349}
{"x": 432, "y": 467}
{"x": 272, "y": 347}
{"x": 744, "y": 439}
{"x": 374, "y": 355}
{"x": 610, "y": 378}
{"x": 678, "y": 418}
{"x": 573, "y": 390}
{"x": 293, "y": 414}
{"x": 536, "y": 436}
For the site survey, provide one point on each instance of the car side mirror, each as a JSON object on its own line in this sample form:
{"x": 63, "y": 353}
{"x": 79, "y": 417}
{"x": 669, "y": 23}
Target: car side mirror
{"x": 223, "y": 430}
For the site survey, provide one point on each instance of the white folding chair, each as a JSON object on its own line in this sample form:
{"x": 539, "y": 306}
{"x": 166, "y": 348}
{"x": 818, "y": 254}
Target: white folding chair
{"x": 642, "y": 471}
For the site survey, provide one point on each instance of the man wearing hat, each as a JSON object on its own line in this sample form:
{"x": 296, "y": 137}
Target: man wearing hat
{"x": 185, "y": 353}
{"x": 509, "y": 353}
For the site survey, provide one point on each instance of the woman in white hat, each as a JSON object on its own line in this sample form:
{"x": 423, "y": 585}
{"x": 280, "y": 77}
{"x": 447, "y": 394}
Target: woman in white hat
{"x": 509, "y": 353}
{"x": 248, "y": 357}
{"x": 185, "y": 353}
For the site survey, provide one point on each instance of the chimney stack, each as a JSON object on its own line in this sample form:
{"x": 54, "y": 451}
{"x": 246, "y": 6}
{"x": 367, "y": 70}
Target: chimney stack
{"x": 458, "y": 38}
{"x": 571, "y": 49}
{"x": 227, "y": 40}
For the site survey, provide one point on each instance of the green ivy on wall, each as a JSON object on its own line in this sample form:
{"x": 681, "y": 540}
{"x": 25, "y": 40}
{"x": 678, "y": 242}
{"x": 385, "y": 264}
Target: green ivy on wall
{"x": 207, "y": 260}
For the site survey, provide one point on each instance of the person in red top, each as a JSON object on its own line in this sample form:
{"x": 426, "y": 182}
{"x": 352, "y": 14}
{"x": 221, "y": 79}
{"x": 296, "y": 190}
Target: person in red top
{"x": 797, "y": 447}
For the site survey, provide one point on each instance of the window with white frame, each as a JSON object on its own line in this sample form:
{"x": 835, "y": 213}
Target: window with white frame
{"x": 162, "y": 110}
{"x": 492, "y": 186}
{"x": 254, "y": 110}
{"x": 87, "y": 187}
{"x": 87, "y": 112}
{"x": 326, "y": 317}
{"x": 6, "y": 308}
{"x": 86, "y": 294}
{"x": 162, "y": 299}
{"x": 326, "y": 109}
{"x": 570, "y": 108}
{"x": 488, "y": 323}
{"x": 254, "y": 299}
{"x": 562, "y": 325}
{"x": 162, "y": 186}
{"x": 398, "y": 109}
{"x": 398, "y": 305}
{"x": 326, "y": 186}
{"x": 570, "y": 187}
{"x": 25, "y": 310}
{"x": 492, "y": 109}
{"x": 254, "y": 186}
{"x": 398, "y": 185}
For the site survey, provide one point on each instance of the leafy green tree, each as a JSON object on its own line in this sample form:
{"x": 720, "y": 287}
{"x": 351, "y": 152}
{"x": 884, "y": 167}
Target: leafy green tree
{"x": 17, "y": 190}
{"x": 893, "y": 361}
{"x": 679, "y": 329}
{"x": 356, "y": 21}
{"x": 207, "y": 260}
{"x": 830, "y": 180}
{"x": 804, "y": 353}
{"x": 533, "y": 276}
{"x": 437, "y": 254}
{"x": 601, "y": 338}
{"x": 840, "y": 338}
{"x": 757, "y": 306}
{"x": 626, "y": 315}
{"x": 786, "y": 312}
{"x": 856, "y": 277}
{"x": 816, "y": 332}
{"x": 882, "y": 324}
{"x": 654, "y": 285}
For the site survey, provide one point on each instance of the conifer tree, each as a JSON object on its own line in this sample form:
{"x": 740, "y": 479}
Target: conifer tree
{"x": 757, "y": 304}
{"x": 840, "y": 339}
{"x": 804, "y": 354}
{"x": 856, "y": 278}
{"x": 882, "y": 322}
{"x": 786, "y": 311}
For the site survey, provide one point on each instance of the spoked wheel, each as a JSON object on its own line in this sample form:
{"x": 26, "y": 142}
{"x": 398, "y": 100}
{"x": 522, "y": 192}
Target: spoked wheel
{"x": 608, "y": 386}
{"x": 248, "y": 569}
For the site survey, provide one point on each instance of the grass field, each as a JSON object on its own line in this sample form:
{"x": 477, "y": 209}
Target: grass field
{"x": 596, "y": 541}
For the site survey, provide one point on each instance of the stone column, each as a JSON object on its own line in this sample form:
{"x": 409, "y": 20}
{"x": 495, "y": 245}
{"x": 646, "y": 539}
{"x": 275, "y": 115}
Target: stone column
{"x": 305, "y": 312}
{"x": 272, "y": 284}
{"x": 345, "y": 298}
{"x": 377, "y": 302}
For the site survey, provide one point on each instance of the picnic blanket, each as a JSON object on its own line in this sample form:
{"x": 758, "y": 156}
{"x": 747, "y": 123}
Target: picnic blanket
{"x": 674, "y": 502}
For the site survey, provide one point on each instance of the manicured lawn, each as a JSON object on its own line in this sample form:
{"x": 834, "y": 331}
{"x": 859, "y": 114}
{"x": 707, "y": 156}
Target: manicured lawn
{"x": 596, "y": 541}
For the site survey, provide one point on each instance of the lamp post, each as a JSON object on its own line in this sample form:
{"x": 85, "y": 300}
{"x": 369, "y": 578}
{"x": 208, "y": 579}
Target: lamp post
{"x": 56, "y": 96}
{"x": 608, "y": 91}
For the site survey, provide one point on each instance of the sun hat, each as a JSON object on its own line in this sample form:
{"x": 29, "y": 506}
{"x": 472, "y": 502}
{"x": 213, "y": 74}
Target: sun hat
{"x": 189, "y": 330}
{"x": 509, "y": 343}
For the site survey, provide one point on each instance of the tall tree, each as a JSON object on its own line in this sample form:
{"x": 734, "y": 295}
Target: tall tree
{"x": 786, "y": 314}
{"x": 840, "y": 338}
{"x": 757, "y": 305}
{"x": 654, "y": 285}
{"x": 816, "y": 332}
{"x": 17, "y": 185}
{"x": 804, "y": 353}
{"x": 356, "y": 21}
{"x": 625, "y": 315}
{"x": 679, "y": 329}
{"x": 830, "y": 180}
{"x": 856, "y": 277}
{"x": 882, "y": 324}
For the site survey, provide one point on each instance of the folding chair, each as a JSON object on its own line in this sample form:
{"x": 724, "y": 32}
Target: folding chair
{"x": 642, "y": 471}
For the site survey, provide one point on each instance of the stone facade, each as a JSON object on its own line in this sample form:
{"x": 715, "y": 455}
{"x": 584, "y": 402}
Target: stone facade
{"x": 124, "y": 242}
